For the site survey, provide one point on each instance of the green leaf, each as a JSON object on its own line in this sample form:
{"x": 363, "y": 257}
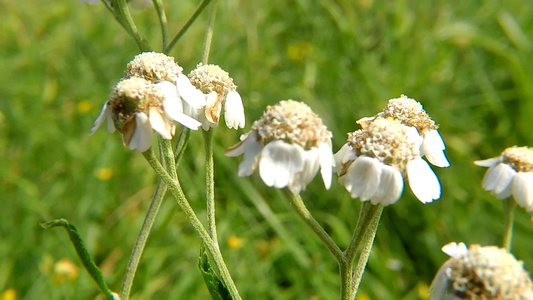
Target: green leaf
{"x": 216, "y": 287}
{"x": 83, "y": 254}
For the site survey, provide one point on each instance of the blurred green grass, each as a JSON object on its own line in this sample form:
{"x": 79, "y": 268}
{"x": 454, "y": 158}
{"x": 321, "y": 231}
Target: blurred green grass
{"x": 468, "y": 62}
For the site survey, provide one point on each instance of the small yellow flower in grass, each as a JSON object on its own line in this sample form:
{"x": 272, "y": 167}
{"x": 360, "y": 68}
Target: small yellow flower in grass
{"x": 373, "y": 162}
{"x": 480, "y": 273}
{"x": 411, "y": 114}
{"x": 9, "y": 294}
{"x": 511, "y": 173}
{"x": 103, "y": 173}
{"x": 290, "y": 144}
{"x": 219, "y": 91}
{"x": 234, "y": 242}
{"x": 65, "y": 269}
{"x": 84, "y": 106}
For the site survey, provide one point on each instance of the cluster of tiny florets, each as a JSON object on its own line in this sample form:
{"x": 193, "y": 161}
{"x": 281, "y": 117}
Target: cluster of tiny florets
{"x": 519, "y": 158}
{"x": 211, "y": 78}
{"x": 386, "y": 140}
{"x": 153, "y": 67}
{"x": 409, "y": 112}
{"x": 488, "y": 273}
{"x": 133, "y": 95}
{"x": 293, "y": 122}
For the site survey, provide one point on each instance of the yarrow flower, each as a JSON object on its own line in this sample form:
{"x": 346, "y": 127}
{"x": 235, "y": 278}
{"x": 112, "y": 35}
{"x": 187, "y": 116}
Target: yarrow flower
{"x": 219, "y": 91}
{"x": 411, "y": 113}
{"x": 289, "y": 143}
{"x": 136, "y": 106}
{"x": 480, "y": 273}
{"x": 373, "y": 162}
{"x": 511, "y": 173}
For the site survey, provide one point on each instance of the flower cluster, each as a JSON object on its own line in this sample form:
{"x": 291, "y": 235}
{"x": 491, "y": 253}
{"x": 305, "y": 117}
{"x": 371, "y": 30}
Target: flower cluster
{"x": 289, "y": 143}
{"x": 480, "y": 273}
{"x": 511, "y": 173}
{"x": 388, "y": 148}
{"x": 154, "y": 94}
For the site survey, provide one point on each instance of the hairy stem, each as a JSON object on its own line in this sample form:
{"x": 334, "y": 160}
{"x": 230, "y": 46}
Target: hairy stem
{"x": 187, "y": 24}
{"x": 160, "y": 9}
{"x": 509, "y": 207}
{"x": 210, "y": 185}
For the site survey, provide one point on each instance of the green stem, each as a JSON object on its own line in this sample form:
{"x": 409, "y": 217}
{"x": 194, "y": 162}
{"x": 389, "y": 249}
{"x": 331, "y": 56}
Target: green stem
{"x": 210, "y": 185}
{"x": 181, "y": 145}
{"x": 345, "y": 268}
{"x": 209, "y": 31}
{"x": 160, "y": 9}
{"x": 368, "y": 242}
{"x": 368, "y": 210}
{"x": 177, "y": 192}
{"x": 188, "y": 24}
{"x": 124, "y": 13}
{"x": 298, "y": 205}
{"x": 509, "y": 206}
{"x": 137, "y": 250}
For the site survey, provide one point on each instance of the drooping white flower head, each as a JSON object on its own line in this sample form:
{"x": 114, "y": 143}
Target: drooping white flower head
{"x": 220, "y": 92}
{"x": 511, "y": 173}
{"x": 137, "y": 106}
{"x": 373, "y": 162}
{"x": 411, "y": 113}
{"x": 480, "y": 273}
{"x": 289, "y": 143}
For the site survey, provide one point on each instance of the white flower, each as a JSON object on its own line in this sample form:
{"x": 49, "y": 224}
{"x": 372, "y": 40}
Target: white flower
{"x": 220, "y": 93}
{"x": 137, "y": 107}
{"x": 480, "y": 273}
{"x": 289, "y": 144}
{"x": 411, "y": 114}
{"x": 511, "y": 173}
{"x": 372, "y": 164}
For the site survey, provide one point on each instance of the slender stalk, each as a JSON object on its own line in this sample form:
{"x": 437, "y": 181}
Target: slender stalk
{"x": 509, "y": 206}
{"x": 124, "y": 13}
{"x": 210, "y": 185}
{"x": 137, "y": 250}
{"x": 142, "y": 237}
{"x": 346, "y": 280}
{"x": 368, "y": 242}
{"x": 177, "y": 192}
{"x": 181, "y": 145}
{"x": 209, "y": 31}
{"x": 187, "y": 24}
{"x": 160, "y": 9}
{"x": 298, "y": 205}
{"x": 368, "y": 210}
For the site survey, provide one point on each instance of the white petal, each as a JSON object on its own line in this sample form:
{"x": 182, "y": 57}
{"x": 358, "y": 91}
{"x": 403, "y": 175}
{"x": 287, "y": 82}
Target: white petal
{"x": 498, "y": 178}
{"x": 433, "y": 148}
{"x": 234, "y": 111}
{"x": 488, "y": 162}
{"x": 390, "y": 186}
{"x": 252, "y": 150}
{"x": 423, "y": 182}
{"x": 174, "y": 111}
{"x": 326, "y": 163}
{"x": 440, "y": 283}
{"x": 342, "y": 156}
{"x": 414, "y": 136}
{"x": 363, "y": 176}
{"x": 142, "y": 136}
{"x": 105, "y": 114}
{"x": 279, "y": 162}
{"x": 453, "y": 249}
{"x": 522, "y": 187}
{"x": 310, "y": 164}
{"x": 159, "y": 124}
{"x": 189, "y": 93}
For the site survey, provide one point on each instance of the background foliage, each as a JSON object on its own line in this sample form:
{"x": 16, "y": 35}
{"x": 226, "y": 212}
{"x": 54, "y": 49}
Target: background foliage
{"x": 468, "y": 62}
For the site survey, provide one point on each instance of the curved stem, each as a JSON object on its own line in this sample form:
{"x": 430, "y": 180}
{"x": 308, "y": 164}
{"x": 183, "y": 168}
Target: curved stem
{"x": 209, "y": 31}
{"x": 187, "y": 24}
{"x": 509, "y": 206}
{"x": 210, "y": 185}
{"x": 368, "y": 210}
{"x": 125, "y": 15}
{"x": 160, "y": 9}
{"x": 177, "y": 192}
{"x": 368, "y": 242}
{"x": 298, "y": 205}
